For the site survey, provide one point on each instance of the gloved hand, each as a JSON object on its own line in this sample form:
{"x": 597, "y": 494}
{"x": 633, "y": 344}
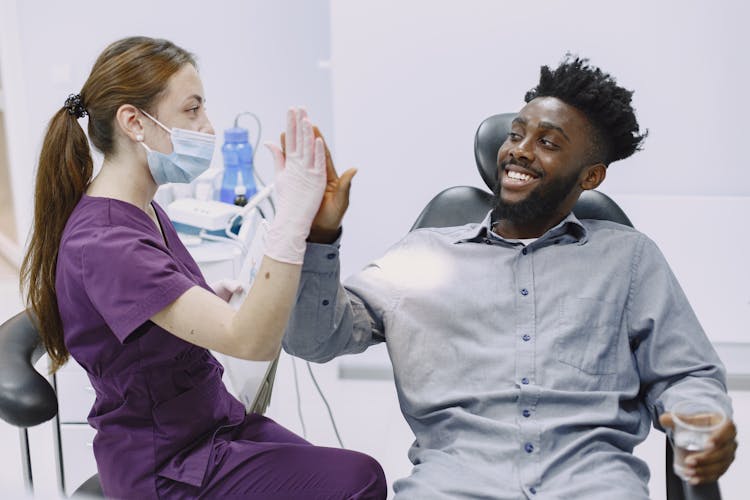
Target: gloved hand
{"x": 300, "y": 181}
{"x": 225, "y": 289}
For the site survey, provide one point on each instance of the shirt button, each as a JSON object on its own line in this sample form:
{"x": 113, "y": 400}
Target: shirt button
{"x": 525, "y": 381}
{"x": 528, "y": 447}
{"x": 526, "y": 338}
{"x": 325, "y": 302}
{"x": 532, "y": 490}
{"x": 524, "y": 251}
{"x": 488, "y": 241}
{"x": 331, "y": 256}
{"x": 526, "y": 413}
{"x": 524, "y": 292}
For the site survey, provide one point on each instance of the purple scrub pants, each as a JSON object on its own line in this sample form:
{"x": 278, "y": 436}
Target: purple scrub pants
{"x": 264, "y": 461}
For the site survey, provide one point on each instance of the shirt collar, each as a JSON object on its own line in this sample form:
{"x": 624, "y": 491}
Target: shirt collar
{"x": 569, "y": 230}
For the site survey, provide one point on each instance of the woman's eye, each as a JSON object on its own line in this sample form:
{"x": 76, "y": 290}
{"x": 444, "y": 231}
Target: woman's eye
{"x": 513, "y": 136}
{"x": 194, "y": 110}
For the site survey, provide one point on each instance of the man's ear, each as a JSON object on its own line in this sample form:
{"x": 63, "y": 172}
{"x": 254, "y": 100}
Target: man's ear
{"x": 593, "y": 175}
{"x": 129, "y": 122}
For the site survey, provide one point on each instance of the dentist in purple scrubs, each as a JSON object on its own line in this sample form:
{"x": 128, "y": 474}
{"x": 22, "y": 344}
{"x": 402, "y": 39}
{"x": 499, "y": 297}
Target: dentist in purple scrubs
{"x": 113, "y": 286}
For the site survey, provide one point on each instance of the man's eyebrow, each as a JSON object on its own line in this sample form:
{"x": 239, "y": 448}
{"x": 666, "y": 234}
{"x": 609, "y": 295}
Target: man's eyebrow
{"x": 552, "y": 126}
{"x": 545, "y": 125}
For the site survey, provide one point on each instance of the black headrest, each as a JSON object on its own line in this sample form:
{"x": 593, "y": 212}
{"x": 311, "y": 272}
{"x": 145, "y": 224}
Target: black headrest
{"x": 491, "y": 134}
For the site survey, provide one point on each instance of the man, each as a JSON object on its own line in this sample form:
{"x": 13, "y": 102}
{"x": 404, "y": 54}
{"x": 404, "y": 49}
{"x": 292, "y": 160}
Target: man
{"x": 532, "y": 351}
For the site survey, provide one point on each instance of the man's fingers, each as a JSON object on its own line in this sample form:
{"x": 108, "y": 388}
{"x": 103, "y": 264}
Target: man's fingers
{"x": 709, "y": 465}
{"x": 723, "y": 435}
{"x": 666, "y": 421}
{"x": 345, "y": 181}
{"x": 711, "y": 472}
{"x": 713, "y": 456}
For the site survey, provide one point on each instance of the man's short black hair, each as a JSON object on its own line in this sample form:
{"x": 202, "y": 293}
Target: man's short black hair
{"x": 597, "y": 95}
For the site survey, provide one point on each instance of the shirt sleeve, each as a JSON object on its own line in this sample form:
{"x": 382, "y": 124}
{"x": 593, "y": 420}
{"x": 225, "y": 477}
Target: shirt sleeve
{"x": 330, "y": 319}
{"x": 129, "y": 276}
{"x": 675, "y": 358}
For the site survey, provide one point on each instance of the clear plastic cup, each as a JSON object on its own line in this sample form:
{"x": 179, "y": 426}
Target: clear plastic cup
{"x": 694, "y": 422}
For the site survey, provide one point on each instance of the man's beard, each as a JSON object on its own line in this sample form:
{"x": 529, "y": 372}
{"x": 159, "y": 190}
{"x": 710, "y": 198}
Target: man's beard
{"x": 541, "y": 202}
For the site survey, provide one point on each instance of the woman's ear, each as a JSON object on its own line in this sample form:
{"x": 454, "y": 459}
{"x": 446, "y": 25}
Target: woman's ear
{"x": 593, "y": 176}
{"x": 129, "y": 122}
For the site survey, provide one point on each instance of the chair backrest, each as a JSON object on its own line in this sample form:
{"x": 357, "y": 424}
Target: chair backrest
{"x": 26, "y": 397}
{"x": 463, "y": 204}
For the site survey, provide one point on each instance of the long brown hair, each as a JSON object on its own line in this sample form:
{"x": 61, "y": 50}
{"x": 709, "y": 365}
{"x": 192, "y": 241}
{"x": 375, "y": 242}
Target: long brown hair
{"x": 132, "y": 71}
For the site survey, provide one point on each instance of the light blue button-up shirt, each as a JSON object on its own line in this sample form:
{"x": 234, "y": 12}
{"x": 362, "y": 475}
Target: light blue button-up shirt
{"x": 524, "y": 371}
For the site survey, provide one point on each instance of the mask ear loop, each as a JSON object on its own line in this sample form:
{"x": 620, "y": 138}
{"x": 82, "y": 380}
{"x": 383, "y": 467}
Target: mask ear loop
{"x": 139, "y": 140}
{"x": 168, "y": 130}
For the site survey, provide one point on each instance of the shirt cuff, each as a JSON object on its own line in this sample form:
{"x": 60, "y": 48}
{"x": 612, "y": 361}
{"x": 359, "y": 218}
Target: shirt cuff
{"x": 322, "y": 258}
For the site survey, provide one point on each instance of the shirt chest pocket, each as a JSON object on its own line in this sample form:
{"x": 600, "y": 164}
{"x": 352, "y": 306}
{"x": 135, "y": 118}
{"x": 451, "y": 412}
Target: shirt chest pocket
{"x": 587, "y": 335}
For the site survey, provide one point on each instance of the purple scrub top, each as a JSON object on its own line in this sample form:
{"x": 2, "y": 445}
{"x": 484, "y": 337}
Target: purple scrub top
{"x": 160, "y": 401}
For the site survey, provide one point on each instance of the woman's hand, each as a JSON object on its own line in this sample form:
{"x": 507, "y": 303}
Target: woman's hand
{"x": 226, "y": 288}
{"x": 299, "y": 184}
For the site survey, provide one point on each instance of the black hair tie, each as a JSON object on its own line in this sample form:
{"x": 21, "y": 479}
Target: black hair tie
{"x": 75, "y": 106}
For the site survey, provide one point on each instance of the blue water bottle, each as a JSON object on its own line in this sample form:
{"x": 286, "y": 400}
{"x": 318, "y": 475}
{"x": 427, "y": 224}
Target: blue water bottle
{"x": 238, "y": 157}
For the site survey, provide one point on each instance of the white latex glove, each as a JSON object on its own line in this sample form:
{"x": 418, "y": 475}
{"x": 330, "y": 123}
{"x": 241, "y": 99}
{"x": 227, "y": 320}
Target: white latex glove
{"x": 225, "y": 289}
{"x": 300, "y": 182}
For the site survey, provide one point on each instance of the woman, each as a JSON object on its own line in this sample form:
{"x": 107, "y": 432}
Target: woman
{"x": 112, "y": 285}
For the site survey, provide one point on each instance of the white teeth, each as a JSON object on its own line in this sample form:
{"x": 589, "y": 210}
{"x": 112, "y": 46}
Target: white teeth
{"x": 519, "y": 176}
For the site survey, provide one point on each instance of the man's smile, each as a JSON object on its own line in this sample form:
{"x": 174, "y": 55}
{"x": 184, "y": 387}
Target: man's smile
{"x": 517, "y": 178}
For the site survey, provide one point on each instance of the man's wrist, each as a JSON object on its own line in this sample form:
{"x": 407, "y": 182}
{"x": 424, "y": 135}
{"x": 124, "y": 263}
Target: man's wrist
{"x": 323, "y": 236}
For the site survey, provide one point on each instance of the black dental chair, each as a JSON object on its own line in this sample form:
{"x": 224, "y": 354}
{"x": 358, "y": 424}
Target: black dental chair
{"x": 460, "y": 205}
{"x": 26, "y": 397}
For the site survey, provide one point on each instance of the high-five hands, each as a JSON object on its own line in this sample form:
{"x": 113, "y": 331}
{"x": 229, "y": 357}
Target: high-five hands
{"x": 327, "y": 222}
{"x": 300, "y": 182}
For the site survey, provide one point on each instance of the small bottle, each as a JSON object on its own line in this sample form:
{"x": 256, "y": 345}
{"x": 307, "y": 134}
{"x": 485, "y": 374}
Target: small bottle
{"x": 238, "y": 157}
{"x": 240, "y": 191}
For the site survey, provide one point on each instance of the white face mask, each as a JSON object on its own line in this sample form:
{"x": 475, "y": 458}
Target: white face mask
{"x": 191, "y": 155}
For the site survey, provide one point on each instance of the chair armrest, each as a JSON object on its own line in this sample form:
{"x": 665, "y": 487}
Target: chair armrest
{"x": 26, "y": 397}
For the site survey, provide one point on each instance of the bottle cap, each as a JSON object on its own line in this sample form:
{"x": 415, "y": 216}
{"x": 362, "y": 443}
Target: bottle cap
{"x": 235, "y": 134}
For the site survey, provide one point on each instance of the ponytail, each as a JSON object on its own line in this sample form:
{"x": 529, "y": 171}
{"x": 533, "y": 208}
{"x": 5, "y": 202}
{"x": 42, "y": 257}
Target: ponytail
{"x": 64, "y": 173}
{"x": 134, "y": 71}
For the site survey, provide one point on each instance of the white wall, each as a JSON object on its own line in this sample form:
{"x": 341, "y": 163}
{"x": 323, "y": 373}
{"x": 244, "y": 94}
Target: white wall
{"x": 413, "y": 80}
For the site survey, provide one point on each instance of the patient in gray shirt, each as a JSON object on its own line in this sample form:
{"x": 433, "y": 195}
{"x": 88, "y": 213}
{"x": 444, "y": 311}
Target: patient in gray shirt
{"x": 532, "y": 351}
